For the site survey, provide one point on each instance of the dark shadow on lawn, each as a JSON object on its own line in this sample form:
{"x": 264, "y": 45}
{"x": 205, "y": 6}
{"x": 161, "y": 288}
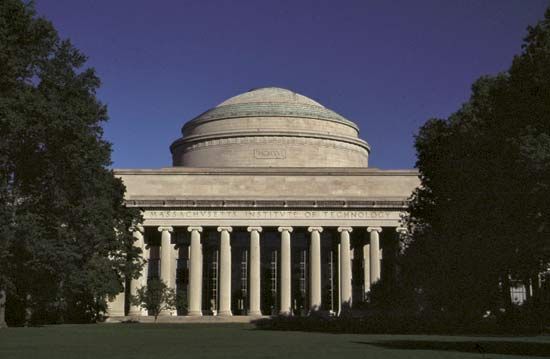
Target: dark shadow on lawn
{"x": 485, "y": 347}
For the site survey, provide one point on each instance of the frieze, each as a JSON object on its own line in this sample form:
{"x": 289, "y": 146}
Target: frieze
{"x": 248, "y": 214}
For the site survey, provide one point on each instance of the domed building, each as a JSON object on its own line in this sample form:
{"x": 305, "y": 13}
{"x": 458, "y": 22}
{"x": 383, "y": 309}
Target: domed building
{"x": 270, "y": 127}
{"x": 269, "y": 208}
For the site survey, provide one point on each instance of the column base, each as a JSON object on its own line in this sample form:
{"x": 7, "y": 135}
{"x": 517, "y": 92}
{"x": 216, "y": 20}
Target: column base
{"x": 194, "y": 313}
{"x": 285, "y": 313}
{"x": 134, "y": 313}
{"x": 115, "y": 313}
{"x": 255, "y": 313}
{"x": 226, "y": 313}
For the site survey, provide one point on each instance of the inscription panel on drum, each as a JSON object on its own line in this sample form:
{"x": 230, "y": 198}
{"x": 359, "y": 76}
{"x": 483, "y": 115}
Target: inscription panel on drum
{"x": 270, "y": 153}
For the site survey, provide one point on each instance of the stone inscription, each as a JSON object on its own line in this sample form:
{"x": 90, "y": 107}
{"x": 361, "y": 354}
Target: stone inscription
{"x": 205, "y": 214}
{"x": 270, "y": 153}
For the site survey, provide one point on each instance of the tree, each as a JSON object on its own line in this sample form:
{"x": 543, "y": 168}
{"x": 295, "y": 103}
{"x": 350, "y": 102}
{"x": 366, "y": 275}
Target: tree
{"x": 481, "y": 216}
{"x": 64, "y": 241}
{"x": 155, "y": 297}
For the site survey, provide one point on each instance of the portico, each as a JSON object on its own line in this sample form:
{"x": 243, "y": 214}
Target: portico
{"x": 181, "y": 231}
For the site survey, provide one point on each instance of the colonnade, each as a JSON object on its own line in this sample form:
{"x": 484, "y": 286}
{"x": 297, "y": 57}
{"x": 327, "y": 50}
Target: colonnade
{"x": 371, "y": 258}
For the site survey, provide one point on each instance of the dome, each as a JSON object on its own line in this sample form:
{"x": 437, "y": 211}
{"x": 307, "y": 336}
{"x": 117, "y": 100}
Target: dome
{"x": 270, "y": 127}
{"x": 270, "y": 95}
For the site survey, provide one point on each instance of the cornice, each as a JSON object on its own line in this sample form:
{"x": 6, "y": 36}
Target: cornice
{"x": 287, "y": 137}
{"x": 240, "y": 204}
{"x": 268, "y": 171}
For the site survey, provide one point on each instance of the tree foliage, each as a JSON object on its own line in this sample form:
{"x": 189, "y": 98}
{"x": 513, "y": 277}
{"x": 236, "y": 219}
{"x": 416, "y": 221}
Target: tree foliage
{"x": 155, "y": 297}
{"x": 64, "y": 240}
{"x": 481, "y": 216}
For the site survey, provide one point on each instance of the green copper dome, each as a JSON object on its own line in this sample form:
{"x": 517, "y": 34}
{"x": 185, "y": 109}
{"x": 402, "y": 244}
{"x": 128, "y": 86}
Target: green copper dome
{"x": 269, "y": 102}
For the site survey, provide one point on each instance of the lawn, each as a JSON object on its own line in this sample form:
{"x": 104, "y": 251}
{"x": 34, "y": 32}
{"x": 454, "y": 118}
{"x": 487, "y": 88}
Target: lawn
{"x": 166, "y": 341}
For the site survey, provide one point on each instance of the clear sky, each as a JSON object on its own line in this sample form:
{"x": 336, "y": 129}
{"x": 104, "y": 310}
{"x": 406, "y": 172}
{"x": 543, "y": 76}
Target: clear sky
{"x": 387, "y": 65}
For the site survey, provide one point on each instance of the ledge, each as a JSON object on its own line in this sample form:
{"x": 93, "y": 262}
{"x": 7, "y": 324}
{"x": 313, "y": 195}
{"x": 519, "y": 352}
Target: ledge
{"x": 268, "y": 171}
{"x": 396, "y": 204}
{"x": 269, "y": 133}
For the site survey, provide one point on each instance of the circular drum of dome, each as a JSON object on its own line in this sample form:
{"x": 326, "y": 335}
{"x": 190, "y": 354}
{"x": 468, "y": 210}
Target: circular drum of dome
{"x": 270, "y": 127}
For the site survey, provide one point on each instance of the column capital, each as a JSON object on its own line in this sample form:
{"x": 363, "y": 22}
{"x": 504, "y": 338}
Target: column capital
{"x": 254, "y": 229}
{"x": 345, "y": 229}
{"x": 315, "y": 229}
{"x": 374, "y": 229}
{"x": 194, "y": 228}
{"x": 285, "y": 229}
{"x": 165, "y": 228}
{"x": 137, "y": 228}
{"x": 225, "y": 228}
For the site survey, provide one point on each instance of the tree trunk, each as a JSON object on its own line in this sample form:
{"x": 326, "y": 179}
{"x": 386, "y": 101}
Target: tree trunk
{"x": 3, "y": 309}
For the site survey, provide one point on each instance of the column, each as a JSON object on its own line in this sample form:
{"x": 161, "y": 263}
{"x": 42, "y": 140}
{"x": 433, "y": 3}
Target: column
{"x": 195, "y": 273}
{"x": 115, "y": 308}
{"x": 224, "y": 279}
{"x": 345, "y": 268}
{"x": 145, "y": 272}
{"x": 366, "y": 270}
{"x": 255, "y": 275}
{"x": 315, "y": 268}
{"x": 374, "y": 253}
{"x": 286, "y": 293}
{"x": 166, "y": 259}
{"x": 136, "y": 283}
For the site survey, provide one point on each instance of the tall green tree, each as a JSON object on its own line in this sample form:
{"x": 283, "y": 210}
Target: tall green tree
{"x": 64, "y": 240}
{"x": 481, "y": 216}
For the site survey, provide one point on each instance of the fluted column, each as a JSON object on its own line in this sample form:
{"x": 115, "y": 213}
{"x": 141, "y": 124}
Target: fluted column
{"x": 255, "y": 275}
{"x": 225, "y": 272}
{"x": 374, "y": 254}
{"x": 315, "y": 268}
{"x": 366, "y": 270}
{"x": 345, "y": 268}
{"x": 145, "y": 272}
{"x": 195, "y": 273}
{"x": 115, "y": 308}
{"x": 286, "y": 293}
{"x": 136, "y": 283}
{"x": 166, "y": 258}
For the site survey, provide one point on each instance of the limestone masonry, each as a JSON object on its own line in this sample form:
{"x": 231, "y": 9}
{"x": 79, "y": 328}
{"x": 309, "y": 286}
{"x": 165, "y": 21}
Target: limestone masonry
{"x": 269, "y": 208}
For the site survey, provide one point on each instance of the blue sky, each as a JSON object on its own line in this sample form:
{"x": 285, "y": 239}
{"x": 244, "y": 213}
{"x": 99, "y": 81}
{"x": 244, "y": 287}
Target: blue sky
{"x": 387, "y": 65}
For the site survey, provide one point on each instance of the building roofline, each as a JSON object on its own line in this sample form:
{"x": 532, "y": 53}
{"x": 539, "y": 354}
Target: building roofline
{"x": 273, "y": 171}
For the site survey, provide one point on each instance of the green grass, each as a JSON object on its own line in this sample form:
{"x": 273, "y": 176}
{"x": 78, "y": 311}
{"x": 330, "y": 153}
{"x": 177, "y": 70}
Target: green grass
{"x": 166, "y": 341}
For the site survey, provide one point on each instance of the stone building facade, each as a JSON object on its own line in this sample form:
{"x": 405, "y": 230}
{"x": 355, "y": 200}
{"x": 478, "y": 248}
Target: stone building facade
{"x": 270, "y": 208}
